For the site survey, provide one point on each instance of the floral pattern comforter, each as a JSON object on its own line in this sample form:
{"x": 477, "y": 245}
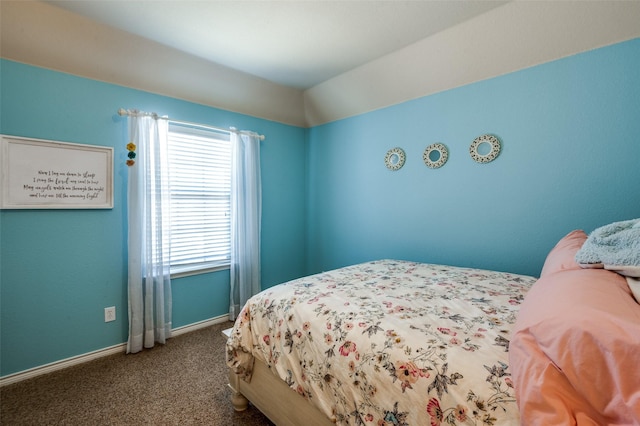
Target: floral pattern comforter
{"x": 389, "y": 342}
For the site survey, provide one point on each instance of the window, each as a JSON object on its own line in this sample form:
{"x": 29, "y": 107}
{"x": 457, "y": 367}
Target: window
{"x": 200, "y": 186}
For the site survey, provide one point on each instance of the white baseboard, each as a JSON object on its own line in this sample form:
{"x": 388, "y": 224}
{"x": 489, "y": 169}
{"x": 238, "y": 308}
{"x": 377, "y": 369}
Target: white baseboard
{"x": 198, "y": 325}
{"x": 59, "y": 365}
{"x": 111, "y": 350}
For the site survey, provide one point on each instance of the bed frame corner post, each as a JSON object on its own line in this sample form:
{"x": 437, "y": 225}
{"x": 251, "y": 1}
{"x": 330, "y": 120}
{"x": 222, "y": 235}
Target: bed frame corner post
{"x": 238, "y": 400}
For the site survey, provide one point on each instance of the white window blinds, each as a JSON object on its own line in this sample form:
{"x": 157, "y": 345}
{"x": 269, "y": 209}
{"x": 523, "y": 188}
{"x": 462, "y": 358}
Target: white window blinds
{"x": 200, "y": 186}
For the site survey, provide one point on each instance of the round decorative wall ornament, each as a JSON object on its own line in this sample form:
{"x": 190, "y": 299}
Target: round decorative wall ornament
{"x": 394, "y": 160}
{"x": 435, "y": 155}
{"x": 485, "y": 148}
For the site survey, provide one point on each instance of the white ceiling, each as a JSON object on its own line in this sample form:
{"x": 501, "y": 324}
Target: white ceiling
{"x": 298, "y": 44}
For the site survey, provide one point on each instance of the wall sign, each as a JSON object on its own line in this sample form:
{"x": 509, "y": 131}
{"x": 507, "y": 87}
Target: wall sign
{"x": 39, "y": 174}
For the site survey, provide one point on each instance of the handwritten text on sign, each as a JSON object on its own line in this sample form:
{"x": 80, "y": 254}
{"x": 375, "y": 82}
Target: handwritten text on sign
{"x": 64, "y": 184}
{"x": 45, "y": 174}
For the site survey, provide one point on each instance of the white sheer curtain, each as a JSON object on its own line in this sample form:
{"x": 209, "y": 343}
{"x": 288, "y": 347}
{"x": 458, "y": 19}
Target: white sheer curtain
{"x": 148, "y": 217}
{"x": 246, "y": 212}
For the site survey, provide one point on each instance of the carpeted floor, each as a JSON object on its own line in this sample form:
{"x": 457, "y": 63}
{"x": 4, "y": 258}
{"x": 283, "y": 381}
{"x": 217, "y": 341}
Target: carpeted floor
{"x": 181, "y": 383}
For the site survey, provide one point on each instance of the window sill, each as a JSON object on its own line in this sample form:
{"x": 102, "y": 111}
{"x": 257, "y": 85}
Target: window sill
{"x": 190, "y": 272}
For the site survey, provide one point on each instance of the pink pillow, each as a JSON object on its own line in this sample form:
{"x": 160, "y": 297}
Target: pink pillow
{"x": 563, "y": 256}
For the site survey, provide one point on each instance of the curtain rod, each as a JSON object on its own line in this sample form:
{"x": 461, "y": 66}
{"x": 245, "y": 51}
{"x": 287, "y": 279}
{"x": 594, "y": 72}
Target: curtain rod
{"x": 134, "y": 113}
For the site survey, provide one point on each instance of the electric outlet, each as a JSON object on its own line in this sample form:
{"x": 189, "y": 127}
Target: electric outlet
{"x": 110, "y": 314}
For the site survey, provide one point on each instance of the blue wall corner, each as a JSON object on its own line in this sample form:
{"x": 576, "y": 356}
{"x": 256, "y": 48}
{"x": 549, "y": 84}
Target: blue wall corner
{"x": 569, "y": 131}
{"x": 569, "y": 160}
{"x": 61, "y": 268}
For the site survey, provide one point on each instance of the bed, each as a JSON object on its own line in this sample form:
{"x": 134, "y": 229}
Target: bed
{"x": 387, "y": 342}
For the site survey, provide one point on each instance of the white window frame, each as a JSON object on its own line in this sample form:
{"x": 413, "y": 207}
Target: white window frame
{"x": 208, "y": 153}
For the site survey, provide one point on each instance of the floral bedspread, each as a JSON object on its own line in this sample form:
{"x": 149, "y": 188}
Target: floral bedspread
{"x": 389, "y": 342}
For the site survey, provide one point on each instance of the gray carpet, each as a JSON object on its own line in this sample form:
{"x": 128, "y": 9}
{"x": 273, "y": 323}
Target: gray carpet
{"x": 181, "y": 383}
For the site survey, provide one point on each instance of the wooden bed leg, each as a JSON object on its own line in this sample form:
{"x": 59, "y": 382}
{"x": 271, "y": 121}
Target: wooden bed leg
{"x": 240, "y": 403}
{"x": 238, "y": 400}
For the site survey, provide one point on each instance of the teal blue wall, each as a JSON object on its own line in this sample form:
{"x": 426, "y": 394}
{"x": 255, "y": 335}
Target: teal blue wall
{"x": 571, "y": 159}
{"x": 60, "y": 268}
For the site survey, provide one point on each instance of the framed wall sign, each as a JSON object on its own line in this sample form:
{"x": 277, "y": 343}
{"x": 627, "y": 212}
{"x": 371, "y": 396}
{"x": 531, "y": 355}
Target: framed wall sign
{"x": 40, "y": 174}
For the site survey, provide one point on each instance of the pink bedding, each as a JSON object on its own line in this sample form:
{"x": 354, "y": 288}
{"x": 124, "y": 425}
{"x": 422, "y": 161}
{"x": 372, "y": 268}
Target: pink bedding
{"x": 575, "y": 348}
